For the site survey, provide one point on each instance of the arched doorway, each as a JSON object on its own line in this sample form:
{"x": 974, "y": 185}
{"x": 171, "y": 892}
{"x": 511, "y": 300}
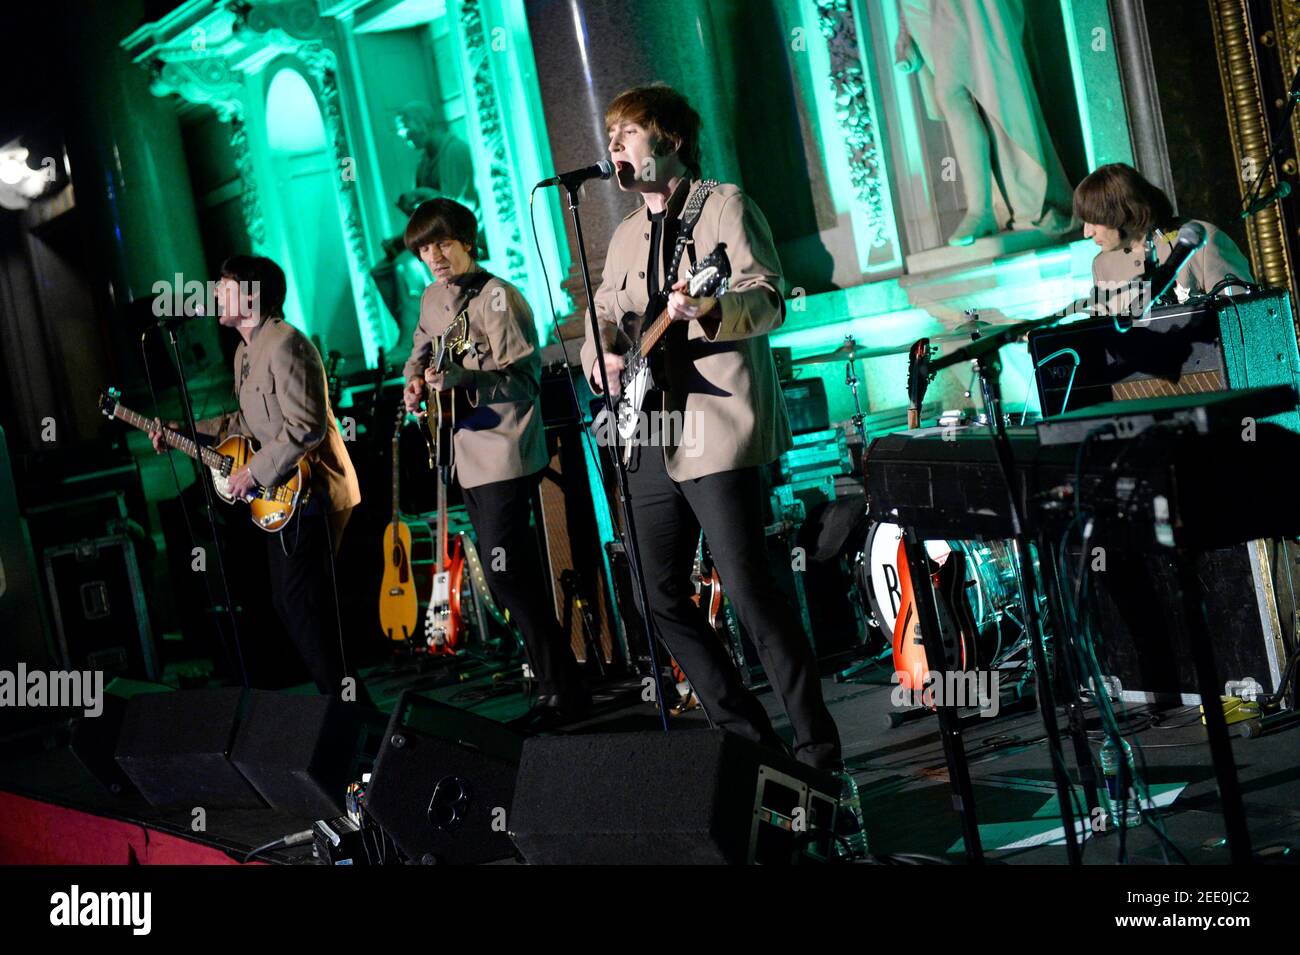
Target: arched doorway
{"x": 305, "y": 172}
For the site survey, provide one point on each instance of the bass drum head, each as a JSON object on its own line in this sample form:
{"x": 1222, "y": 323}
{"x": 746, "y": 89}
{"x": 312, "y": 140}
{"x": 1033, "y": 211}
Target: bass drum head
{"x": 882, "y": 554}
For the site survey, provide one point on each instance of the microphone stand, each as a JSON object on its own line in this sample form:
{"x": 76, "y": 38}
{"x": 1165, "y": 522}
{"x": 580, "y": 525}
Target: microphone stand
{"x": 988, "y": 365}
{"x": 1293, "y": 94}
{"x": 192, "y": 432}
{"x": 630, "y": 540}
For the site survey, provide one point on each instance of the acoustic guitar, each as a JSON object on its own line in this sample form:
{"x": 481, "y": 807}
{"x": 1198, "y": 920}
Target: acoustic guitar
{"x": 272, "y": 507}
{"x": 399, "y": 604}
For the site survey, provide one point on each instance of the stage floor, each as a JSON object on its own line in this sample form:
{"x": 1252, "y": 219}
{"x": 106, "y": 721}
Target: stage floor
{"x": 901, "y": 773}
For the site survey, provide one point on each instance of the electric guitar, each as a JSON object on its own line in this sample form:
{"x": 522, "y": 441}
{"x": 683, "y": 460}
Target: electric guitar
{"x": 272, "y": 507}
{"x": 710, "y": 277}
{"x": 959, "y": 635}
{"x": 918, "y": 379}
{"x": 708, "y": 597}
{"x": 443, "y": 620}
{"x": 399, "y": 605}
{"x": 439, "y": 412}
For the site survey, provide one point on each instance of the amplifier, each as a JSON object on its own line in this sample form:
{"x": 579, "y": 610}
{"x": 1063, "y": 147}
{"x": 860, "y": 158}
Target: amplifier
{"x": 1239, "y": 341}
{"x": 805, "y": 401}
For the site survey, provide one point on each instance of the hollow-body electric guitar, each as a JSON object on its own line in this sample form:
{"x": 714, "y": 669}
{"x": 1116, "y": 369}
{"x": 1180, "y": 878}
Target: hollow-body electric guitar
{"x": 271, "y": 507}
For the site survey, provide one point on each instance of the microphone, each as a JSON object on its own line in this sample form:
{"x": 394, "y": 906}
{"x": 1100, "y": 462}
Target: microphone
{"x": 1280, "y": 191}
{"x": 576, "y": 177}
{"x": 1190, "y": 238}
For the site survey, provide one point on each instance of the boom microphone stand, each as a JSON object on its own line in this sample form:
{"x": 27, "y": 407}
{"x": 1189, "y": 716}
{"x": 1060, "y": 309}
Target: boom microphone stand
{"x": 631, "y": 546}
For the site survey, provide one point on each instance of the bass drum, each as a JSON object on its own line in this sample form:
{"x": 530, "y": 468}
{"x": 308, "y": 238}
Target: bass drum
{"x": 883, "y": 584}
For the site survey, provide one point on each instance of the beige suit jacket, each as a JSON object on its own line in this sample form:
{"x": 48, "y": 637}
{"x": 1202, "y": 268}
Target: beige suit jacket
{"x": 1214, "y": 261}
{"x": 501, "y": 437}
{"x": 284, "y": 406}
{"x": 721, "y": 381}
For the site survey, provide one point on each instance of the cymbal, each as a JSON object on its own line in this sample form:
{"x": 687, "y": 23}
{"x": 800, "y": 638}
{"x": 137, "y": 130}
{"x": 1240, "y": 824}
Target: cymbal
{"x": 850, "y": 351}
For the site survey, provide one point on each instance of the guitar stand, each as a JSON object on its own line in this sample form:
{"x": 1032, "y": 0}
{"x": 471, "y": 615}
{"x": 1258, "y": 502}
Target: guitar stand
{"x": 954, "y": 750}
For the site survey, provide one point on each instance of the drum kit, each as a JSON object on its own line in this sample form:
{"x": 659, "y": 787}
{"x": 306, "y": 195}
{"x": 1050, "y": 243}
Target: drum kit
{"x": 989, "y": 567}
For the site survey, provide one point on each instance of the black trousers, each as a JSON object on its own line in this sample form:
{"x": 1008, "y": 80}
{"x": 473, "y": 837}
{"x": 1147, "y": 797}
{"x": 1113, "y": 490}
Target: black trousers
{"x": 507, "y": 546}
{"x": 302, "y": 590}
{"x": 728, "y": 506}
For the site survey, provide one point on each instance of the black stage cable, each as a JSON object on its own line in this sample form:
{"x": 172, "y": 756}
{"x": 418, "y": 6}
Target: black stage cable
{"x": 200, "y": 476}
{"x": 284, "y": 842}
{"x": 1089, "y": 660}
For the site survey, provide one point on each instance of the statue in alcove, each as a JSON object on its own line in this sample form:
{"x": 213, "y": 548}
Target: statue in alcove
{"x": 444, "y": 168}
{"x": 974, "y": 75}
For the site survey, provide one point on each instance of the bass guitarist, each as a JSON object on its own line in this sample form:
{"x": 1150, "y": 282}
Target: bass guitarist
{"x": 499, "y": 442}
{"x": 284, "y": 406}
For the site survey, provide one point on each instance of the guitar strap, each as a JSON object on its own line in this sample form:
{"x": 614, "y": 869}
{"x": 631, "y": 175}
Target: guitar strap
{"x": 690, "y": 215}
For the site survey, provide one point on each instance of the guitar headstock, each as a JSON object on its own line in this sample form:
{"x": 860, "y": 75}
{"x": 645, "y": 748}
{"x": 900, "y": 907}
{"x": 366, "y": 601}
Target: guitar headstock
{"x": 401, "y": 418}
{"x": 108, "y": 401}
{"x": 711, "y": 274}
{"x": 919, "y": 377}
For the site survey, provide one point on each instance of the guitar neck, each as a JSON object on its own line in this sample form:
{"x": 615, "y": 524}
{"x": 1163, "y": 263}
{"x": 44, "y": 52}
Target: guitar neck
{"x": 173, "y": 439}
{"x": 650, "y": 337}
{"x": 442, "y": 525}
{"x": 396, "y": 473}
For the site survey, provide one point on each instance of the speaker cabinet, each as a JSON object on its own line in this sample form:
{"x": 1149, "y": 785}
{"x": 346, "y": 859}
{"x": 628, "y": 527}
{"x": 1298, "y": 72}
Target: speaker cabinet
{"x": 300, "y": 752}
{"x": 175, "y": 748}
{"x": 678, "y": 798}
{"x": 442, "y": 783}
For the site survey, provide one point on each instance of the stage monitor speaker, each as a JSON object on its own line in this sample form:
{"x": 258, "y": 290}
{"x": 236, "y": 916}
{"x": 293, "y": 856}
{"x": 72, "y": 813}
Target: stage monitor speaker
{"x": 95, "y": 738}
{"x": 442, "y": 783}
{"x": 300, "y": 752}
{"x": 175, "y": 748}
{"x": 678, "y": 798}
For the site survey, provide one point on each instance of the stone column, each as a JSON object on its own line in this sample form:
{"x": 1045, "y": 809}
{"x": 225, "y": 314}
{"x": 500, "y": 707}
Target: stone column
{"x": 589, "y": 51}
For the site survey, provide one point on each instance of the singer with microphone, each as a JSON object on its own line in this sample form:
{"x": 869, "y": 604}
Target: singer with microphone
{"x": 1145, "y": 248}
{"x": 720, "y": 380}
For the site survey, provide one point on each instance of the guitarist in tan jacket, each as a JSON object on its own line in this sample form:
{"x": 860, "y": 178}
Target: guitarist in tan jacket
{"x": 499, "y": 441}
{"x": 717, "y": 379}
{"x": 284, "y": 407}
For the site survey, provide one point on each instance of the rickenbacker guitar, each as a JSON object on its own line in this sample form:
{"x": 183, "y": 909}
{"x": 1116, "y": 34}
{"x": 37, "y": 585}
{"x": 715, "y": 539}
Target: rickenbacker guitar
{"x": 960, "y": 635}
{"x": 443, "y": 620}
{"x": 272, "y": 507}
{"x": 399, "y": 604}
{"x": 918, "y": 380}
{"x": 709, "y": 598}
{"x": 709, "y": 277}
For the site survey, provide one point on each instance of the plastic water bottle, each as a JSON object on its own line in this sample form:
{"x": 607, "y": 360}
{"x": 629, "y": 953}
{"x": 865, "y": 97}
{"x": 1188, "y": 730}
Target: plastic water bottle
{"x": 1125, "y": 808}
{"x": 848, "y": 821}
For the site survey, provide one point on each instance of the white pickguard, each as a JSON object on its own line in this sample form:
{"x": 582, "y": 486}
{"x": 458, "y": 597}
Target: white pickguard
{"x": 221, "y": 484}
{"x": 633, "y": 397}
{"x": 435, "y": 619}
